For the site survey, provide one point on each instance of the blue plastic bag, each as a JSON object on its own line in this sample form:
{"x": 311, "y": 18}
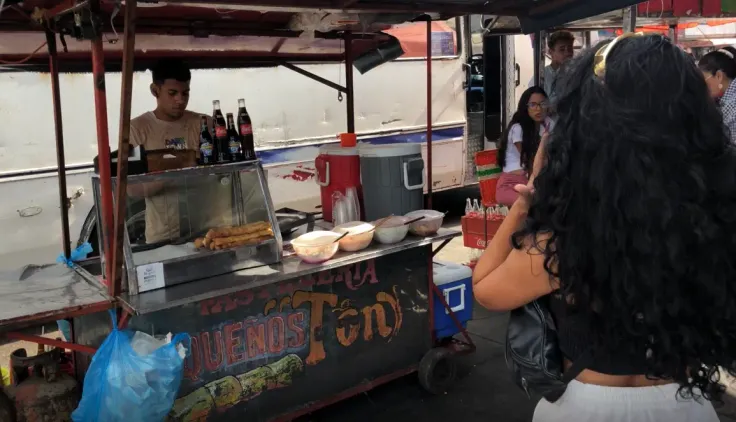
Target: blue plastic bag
{"x": 76, "y": 255}
{"x": 123, "y": 386}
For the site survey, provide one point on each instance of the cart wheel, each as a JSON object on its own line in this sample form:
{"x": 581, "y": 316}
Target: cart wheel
{"x": 437, "y": 370}
{"x": 7, "y": 410}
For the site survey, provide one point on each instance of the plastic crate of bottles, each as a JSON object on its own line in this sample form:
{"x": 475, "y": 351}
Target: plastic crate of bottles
{"x": 479, "y": 225}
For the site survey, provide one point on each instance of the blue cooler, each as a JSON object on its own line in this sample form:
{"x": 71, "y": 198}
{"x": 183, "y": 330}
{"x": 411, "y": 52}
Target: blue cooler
{"x": 455, "y": 282}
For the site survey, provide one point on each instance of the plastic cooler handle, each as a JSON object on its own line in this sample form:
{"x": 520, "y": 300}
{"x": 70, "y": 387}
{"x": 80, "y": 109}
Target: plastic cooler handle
{"x": 460, "y": 306}
{"x": 406, "y": 175}
{"x": 327, "y": 172}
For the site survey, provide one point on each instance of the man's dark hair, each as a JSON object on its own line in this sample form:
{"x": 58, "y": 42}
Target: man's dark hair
{"x": 723, "y": 59}
{"x": 560, "y": 36}
{"x": 170, "y": 69}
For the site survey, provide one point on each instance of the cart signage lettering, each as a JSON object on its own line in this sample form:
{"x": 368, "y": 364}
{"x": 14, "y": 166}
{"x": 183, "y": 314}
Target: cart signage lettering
{"x": 266, "y": 351}
{"x": 292, "y": 330}
{"x": 234, "y": 343}
{"x": 353, "y": 276}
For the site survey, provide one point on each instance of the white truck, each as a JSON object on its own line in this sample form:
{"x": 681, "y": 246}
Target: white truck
{"x": 292, "y": 117}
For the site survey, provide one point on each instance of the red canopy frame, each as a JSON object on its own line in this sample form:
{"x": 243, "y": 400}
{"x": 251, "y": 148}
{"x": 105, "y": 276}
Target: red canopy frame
{"x": 95, "y": 21}
{"x": 54, "y": 19}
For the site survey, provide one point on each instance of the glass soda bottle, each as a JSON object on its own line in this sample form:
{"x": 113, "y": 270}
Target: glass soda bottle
{"x": 234, "y": 146}
{"x": 245, "y": 129}
{"x": 207, "y": 150}
{"x": 221, "y": 141}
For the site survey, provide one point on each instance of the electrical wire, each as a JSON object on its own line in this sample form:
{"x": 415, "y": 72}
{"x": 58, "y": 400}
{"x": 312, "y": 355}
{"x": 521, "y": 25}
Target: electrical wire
{"x": 225, "y": 12}
{"x": 30, "y": 56}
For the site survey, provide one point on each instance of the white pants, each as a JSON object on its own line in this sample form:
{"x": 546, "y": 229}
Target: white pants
{"x": 593, "y": 403}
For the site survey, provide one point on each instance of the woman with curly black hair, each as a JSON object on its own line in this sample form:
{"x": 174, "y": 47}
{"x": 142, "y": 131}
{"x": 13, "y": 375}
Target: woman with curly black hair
{"x": 628, "y": 227}
{"x": 519, "y": 143}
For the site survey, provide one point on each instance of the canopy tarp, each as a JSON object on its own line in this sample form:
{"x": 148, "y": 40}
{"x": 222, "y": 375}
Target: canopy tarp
{"x": 235, "y": 33}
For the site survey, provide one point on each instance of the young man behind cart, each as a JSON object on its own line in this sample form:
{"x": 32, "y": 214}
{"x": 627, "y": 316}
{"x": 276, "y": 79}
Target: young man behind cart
{"x": 171, "y": 126}
{"x": 560, "y": 46}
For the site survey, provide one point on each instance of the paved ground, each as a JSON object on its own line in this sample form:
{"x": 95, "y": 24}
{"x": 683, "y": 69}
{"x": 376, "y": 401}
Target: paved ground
{"x": 484, "y": 390}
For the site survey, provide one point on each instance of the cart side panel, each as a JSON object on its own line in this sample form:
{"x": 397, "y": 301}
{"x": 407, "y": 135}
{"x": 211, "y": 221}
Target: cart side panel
{"x": 263, "y": 353}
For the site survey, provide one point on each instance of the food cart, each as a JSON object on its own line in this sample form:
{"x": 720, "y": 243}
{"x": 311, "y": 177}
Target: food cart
{"x": 269, "y": 332}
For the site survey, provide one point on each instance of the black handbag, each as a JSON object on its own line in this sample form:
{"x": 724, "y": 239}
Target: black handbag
{"x": 533, "y": 353}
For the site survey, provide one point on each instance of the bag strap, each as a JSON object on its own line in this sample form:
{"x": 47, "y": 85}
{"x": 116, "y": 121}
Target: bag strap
{"x": 578, "y": 366}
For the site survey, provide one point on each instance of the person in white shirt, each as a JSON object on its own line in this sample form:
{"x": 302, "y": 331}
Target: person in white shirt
{"x": 560, "y": 46}
{"x": 519, "y": 144}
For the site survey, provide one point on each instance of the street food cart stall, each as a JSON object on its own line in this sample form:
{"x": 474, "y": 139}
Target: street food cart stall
{"x": 269, "y": 332}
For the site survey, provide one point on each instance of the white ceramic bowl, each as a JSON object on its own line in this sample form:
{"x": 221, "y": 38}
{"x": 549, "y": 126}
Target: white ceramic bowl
{"x": 429, "y": 225}
{"x": 361, "y": 235}
{"x": 316, "y": 247}
{"x": 392, "y": 230}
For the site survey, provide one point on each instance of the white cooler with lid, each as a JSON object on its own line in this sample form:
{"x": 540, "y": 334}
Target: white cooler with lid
{"x": 393, "y": 179}
{"x": 456, "y": 283}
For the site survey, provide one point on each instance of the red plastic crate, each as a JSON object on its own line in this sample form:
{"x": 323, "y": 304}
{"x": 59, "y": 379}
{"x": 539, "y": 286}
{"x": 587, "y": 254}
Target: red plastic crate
{"x": 478, "y": 231}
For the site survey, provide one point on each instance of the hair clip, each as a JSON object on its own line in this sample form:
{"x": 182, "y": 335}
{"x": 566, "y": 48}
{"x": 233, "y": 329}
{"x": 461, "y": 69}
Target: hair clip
{"x": 599, "y": 63}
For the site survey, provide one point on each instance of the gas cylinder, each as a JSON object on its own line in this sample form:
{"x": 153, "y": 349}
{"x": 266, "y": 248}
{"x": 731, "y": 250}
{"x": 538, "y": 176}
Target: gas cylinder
{"x": 39, "y": 390}
{"x": 7, "y": 409}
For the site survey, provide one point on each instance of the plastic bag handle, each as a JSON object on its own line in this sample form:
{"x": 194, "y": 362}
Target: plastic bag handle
{"x": 114, "y": 316}
{"x": 181, "y": 338}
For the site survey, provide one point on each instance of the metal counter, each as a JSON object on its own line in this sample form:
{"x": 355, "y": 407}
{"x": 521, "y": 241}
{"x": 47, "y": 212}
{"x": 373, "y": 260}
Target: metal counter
{"x": 290, "y": 268}
{"x": 37, "y": 294}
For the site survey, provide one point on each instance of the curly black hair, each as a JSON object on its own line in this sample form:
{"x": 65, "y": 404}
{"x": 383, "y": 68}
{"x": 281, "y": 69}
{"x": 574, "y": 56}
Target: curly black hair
{"x": 529, "y": 131}
{"x": 638, "y": 199}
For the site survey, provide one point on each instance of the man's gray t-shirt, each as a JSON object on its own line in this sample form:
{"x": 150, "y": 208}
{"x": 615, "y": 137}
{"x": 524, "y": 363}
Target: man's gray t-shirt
{"x": 550, "y": 83}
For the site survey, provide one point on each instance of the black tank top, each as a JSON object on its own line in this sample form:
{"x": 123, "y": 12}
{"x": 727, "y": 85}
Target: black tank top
{"x": 575, "y": 338}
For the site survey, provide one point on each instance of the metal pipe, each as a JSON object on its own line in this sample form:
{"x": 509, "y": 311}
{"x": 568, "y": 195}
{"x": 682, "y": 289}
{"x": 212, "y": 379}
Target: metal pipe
{"x": 103, "y": 154}
{"x": 66, "y": 7}
{"x": 350, "y": 93}
{"x": 51, "y": 342}
{"x": 59, "y": 132}
{"x": 538, "y": 47}
{"x": 429, "y": 113}
{"x": 673, "y": 33}
{"x": 630, "y": 19}
{"x": 121, "y": 191}
{"x": 313, "y": 77}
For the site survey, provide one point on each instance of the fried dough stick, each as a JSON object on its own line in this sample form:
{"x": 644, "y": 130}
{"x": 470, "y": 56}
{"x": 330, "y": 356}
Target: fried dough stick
{"x": 238, "y": 231}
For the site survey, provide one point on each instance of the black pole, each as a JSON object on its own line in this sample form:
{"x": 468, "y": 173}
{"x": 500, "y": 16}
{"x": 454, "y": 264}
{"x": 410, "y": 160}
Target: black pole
{"x": 538, "y": 48}
{"x": 350, "y": 97}
{"x": 59, "y": 132}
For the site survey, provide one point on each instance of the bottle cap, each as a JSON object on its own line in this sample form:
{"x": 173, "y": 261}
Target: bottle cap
{"x": 348, "y": 140}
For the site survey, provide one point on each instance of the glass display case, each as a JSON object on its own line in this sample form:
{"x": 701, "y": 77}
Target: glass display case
{"x": 194, "y": 223}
